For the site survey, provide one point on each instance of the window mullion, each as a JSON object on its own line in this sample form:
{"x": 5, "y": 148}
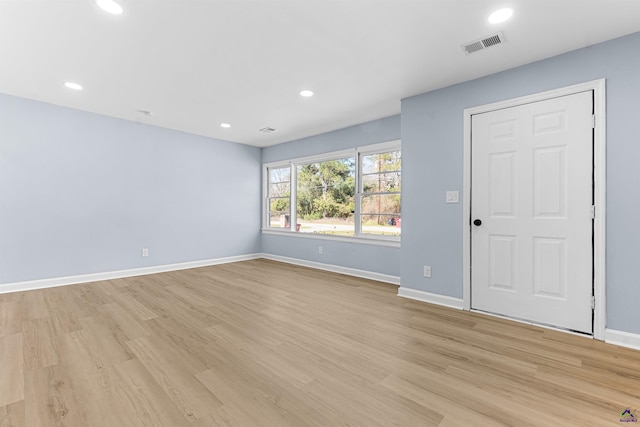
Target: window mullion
{"x": 266, "y": 213}
{"x": 383, "y": 172}
{"x": 293, "y": 199}
{"x": 381, "y": 193}
{"x": 358, "y": 194}
{"x": 265, "y": 192}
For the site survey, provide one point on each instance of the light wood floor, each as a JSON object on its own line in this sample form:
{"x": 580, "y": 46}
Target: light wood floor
{"x": 261, "y": 343}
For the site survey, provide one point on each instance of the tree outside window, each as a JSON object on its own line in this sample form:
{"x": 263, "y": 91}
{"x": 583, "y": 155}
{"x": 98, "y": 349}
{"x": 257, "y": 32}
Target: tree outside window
{"x": 325, "y": 196}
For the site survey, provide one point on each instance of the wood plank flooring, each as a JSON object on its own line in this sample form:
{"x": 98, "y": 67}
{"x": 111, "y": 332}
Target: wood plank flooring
{"x": 260, "y": 343}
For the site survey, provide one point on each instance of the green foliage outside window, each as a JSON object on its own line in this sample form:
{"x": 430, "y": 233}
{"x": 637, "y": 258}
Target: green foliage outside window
{"x": 326, "y": 195}
{"x": 326, "y": 190}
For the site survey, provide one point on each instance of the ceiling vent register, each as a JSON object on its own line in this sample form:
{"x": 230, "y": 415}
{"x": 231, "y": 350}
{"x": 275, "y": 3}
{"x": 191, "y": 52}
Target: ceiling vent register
{"x": 266, "y": 130}
{"x": 483, "y": 43}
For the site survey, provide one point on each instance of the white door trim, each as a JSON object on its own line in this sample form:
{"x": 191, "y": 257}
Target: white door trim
{"x": 598, "y": 87}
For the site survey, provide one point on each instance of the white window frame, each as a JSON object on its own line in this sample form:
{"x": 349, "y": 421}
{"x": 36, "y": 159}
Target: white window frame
{"x": 267, "y": 205}
{"x": 367, "y": 151}
{"x": 357, "y": 153}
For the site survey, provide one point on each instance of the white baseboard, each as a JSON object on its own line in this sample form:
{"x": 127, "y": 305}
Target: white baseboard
{"x": 109, "y": 275}
{"x": 95, "y": 277}
{"x": 387, "y": 278}
{"x": 621, "y": 338}
{"x": 423, "y": 296}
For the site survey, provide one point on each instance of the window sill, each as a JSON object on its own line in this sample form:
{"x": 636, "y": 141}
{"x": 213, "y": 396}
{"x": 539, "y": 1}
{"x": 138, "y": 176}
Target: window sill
{"x": 392, "y": 243}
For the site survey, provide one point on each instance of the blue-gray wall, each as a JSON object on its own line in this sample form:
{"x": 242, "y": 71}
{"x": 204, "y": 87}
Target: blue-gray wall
{"x": 361, "y": 256}
{"x": 432, "y": 145}
{"x": 82, "y": 193}
{"x": 383, "y": 130}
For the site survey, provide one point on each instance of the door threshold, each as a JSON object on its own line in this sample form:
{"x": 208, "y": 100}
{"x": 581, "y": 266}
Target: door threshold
{"x": 529, "y": 322}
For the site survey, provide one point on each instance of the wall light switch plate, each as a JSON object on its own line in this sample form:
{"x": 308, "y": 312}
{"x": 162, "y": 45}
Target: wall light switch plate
{"x": 453, "y": 196}
{"x": 145, "y": 251}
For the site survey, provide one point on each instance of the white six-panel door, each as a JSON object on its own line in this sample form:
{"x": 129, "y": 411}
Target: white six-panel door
{"x": 532, "y": 192}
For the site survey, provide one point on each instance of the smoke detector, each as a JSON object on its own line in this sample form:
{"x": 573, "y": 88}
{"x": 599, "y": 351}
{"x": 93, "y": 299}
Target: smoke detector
{"x": 483, "y": 43}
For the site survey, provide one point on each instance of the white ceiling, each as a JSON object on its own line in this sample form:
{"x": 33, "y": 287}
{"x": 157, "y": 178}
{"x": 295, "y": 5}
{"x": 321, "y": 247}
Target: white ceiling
{"x": 196, "y": 64}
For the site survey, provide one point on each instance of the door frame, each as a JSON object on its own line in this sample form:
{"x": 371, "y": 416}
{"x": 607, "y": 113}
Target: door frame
{"x": 599, "y": 230}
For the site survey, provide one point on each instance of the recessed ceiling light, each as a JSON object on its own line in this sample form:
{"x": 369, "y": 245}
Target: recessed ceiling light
{"x": 72, "y": 85}
{"x": 110, "y": 6}
{"x": 500, "y": 15}
{"x": 306, "y": 93}
{"x": 225, "y": 125}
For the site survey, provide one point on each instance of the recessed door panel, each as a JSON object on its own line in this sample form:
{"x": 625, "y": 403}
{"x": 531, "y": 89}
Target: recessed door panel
{"x": 502, "y": 186}
{"x": 502, "y": 250}
{"x": 503, "y": 130}
{"x": 550, "y": 267}
{"x": 553, "y": 121}
{"x": 550, "y": 182}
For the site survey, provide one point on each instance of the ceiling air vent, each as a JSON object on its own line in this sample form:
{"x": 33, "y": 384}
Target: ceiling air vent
{"x": 266, "y": 130}
{"x": 476, "y": 45}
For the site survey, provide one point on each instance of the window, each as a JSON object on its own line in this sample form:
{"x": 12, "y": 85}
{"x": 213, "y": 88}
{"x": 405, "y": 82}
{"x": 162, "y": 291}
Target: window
{"x": 380, "y": 193}
{"x": 325, "y": 196}
{"x": 279, "y": 200}
{"x": 350, "y": 193}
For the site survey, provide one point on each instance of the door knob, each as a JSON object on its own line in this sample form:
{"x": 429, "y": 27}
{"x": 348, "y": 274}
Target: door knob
{"x": 477, "y": 222}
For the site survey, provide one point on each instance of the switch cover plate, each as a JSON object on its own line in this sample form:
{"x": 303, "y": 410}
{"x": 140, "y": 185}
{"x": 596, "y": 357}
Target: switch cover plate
{"x": 453, "y": 196}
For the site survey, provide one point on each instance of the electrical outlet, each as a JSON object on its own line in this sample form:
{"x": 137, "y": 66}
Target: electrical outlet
{"x": 320, "y": 250}
{"x": 427, "y": 271}
{"x": 145, "y": 251}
